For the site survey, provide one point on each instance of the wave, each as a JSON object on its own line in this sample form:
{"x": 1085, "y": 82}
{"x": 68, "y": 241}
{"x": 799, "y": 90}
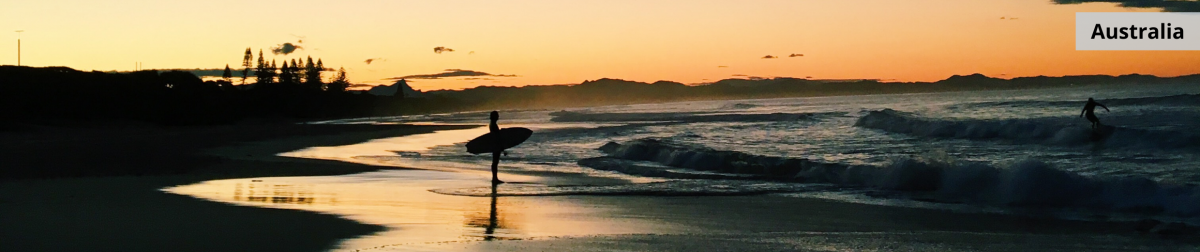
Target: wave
{"x": 1026, "y": 183}
{"x": 681, "y": 117}
{"x": 1172, "y": 100}
{"x": 1050, "y": 131}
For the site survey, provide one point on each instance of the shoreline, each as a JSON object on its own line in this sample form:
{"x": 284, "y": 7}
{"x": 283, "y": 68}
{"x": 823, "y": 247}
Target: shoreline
{"x": 134, "y": 214}
{"x": 131, "y": 213}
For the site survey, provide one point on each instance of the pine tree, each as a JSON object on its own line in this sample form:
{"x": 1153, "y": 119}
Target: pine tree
{"x": 272, "y": 72}
{"x": 296, "y": 77}
{"x": 285, "y": 75}
{"x": 312, "y": 75}
{"x": 228, "y": 74}
{"x": 261, "y": 75}
{"x": 339, "y": 83}
{"x": 246, "y": 64}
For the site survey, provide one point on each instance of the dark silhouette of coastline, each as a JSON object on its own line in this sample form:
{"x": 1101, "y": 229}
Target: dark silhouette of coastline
{"x": 615, "y": 91}
{"x": 67, "y": 97}
{"x": 64, "y": 96}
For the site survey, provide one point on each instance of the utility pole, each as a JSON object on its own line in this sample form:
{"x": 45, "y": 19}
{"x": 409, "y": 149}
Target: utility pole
{"x": 19, "y": 47}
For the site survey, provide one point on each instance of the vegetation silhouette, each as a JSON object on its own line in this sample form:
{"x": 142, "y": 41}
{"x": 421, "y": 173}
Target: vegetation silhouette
{"x": 64, "y": 96}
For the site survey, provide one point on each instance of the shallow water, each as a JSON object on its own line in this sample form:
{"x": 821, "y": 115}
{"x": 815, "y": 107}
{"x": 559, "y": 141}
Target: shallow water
{"x": 1154, "y": 138}
{"x": 401, "y": 201}
{"x": 1028, "y": 147}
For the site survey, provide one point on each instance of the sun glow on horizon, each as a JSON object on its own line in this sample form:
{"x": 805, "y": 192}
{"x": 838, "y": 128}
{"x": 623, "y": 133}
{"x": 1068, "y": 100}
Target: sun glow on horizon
{"x": 517, "y": 43}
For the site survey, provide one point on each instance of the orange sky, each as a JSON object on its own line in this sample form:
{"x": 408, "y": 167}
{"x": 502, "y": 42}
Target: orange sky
{"x": 560, "y": 42}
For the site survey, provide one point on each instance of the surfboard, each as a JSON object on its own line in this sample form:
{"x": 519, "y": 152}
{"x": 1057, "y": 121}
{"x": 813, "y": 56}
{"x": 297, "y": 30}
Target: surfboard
{"x": 499, "y": 140}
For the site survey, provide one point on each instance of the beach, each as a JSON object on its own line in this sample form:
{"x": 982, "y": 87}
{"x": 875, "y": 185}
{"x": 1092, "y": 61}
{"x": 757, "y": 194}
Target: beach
{"x": 135, "y": 213}
{"x": 130, "y": 213}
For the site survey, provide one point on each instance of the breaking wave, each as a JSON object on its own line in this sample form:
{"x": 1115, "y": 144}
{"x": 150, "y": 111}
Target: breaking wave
{"x": 1027, "y": 183}
{"x": 1050, "y": 131}
{"x": 687, "y": 117}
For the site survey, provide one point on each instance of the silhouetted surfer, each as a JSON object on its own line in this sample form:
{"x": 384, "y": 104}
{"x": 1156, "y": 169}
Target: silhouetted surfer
{"x": 496, "y": 141}
{"x": 1088, "y": 110}
{"x": 493, "y": 128}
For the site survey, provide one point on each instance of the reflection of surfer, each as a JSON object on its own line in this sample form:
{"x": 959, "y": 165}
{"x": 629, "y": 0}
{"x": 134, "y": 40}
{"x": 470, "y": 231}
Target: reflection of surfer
{"x": 1087, "y": 110}
{"x": 493, "y": 128}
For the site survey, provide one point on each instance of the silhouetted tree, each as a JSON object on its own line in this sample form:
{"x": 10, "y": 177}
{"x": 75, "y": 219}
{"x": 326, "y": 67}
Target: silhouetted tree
{"x": 339, "y": 82}
{"x": 246, "y": 64}
{"x": 297, "y": 78}
{"x": 227, "y": 74}
{"x": 272, "y": 72}
{"x": 285, "y": 74}
{"x": 312, "y": 75}
{"x": 260, "y": 73}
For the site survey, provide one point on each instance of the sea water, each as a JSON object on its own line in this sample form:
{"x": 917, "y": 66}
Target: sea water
{"x": 1011, "y": 150}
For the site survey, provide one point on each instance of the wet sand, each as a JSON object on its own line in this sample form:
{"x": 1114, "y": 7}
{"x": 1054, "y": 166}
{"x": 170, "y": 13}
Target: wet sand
{"x": 132, "y": 214}
{"x": 778, "y": 223}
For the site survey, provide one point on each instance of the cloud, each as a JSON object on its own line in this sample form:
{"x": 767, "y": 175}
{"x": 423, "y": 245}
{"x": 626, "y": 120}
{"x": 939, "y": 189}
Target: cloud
{"x": 441, "y": 49}
{"x": 451, "y": 73}
{"x": 722, "y": 66}
{"x": 769, "y": 57}
{"x": 285, "y": 48}
{"x": 1166, "y": 5}
{"x": 368, "y": 61}
{"x": 739, "y": 75}
{"x": 796, "y": 55}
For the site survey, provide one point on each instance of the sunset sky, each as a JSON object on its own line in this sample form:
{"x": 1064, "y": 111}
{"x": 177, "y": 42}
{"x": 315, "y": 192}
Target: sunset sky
{"x": 562, "y": 42}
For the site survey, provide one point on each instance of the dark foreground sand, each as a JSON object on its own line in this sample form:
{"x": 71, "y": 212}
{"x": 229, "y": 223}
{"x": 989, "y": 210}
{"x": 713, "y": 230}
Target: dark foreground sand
{"x": 131, "y": 214}
{"x": 776, "y": 223}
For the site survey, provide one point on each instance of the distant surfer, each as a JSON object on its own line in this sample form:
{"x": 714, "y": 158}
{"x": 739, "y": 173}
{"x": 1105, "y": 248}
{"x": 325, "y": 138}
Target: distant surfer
{"x": 496, "y": 141}
{"x": 1088, "y": 110}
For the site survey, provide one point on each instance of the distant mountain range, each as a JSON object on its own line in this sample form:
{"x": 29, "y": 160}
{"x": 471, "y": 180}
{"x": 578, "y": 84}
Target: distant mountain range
{"x": 178, "y": 96}
{"x": 616, "y": 91}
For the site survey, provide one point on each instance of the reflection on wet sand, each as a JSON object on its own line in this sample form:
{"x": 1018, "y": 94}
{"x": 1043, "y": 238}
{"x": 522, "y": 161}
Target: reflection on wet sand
{"x": 492, "y": 222}
{"x": 415, "y": 217}
{"x": 277, "y": 194}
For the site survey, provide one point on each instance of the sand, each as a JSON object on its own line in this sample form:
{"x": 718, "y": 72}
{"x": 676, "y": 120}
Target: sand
{"x": 776, "y": 223}
{"x": 131, "y": 214}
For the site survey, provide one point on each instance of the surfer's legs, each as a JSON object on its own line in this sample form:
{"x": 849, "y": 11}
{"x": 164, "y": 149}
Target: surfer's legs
{"x": 1095, "y": 121}
{"x": 496, "y": 167}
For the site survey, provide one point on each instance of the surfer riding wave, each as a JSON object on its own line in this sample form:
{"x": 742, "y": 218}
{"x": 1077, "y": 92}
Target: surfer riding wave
{"x": 1087, "y": 110}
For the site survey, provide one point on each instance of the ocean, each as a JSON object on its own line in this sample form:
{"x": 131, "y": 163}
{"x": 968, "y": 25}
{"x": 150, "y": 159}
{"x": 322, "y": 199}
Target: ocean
{"x": 1011, "y": 151}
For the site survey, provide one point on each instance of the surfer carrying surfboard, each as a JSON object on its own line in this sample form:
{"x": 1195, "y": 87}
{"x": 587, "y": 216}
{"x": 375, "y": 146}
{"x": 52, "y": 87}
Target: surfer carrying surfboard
{"x": 494, "y": 128}
{"x": 496, "y": 141}
{"x": 1088, "y": 110}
